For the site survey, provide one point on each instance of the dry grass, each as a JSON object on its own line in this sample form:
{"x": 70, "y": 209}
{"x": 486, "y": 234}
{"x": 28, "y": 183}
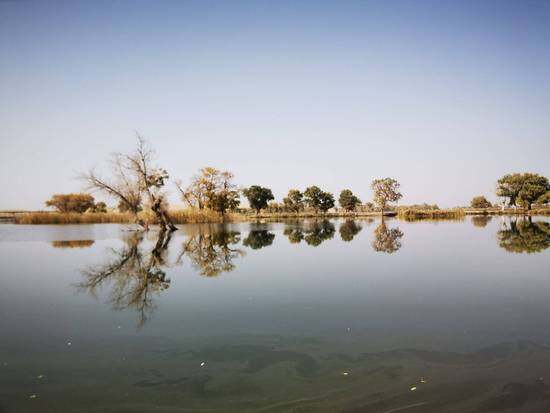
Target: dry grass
{"x": 207, "y": 216}
{"x": 178, "y": 217}
{"x": 416, "y": 214}
{"x": 34, "y": 218}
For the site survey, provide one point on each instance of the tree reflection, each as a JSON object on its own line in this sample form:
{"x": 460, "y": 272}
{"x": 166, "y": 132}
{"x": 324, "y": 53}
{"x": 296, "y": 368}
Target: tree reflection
{"x": 349, "y": 229}
{"x": 524, "y": 236}
{"x": 257, "y": 239}
{"x": 76, "y": 243}
{"x": 386, "y": 239}
{"x": 481, "y": 221}
{"x": 210, "y": 250}
{"x": 313, "y": 233}
{"x": 134, "y": 275}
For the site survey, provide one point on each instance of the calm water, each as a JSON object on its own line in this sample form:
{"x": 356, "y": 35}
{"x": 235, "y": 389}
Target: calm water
{"x": 315, "y": 316}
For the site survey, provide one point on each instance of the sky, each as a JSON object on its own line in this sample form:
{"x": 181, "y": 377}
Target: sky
{"x": 444, "y": 96}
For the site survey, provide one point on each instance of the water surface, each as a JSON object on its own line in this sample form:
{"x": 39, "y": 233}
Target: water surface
{"x": 305, "y": 316}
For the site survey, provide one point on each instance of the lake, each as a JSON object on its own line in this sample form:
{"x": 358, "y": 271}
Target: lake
{"x": 294, "y": 316}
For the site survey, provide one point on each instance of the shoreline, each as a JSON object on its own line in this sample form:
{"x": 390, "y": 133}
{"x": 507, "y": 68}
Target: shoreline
{"x": 206, "y": 216}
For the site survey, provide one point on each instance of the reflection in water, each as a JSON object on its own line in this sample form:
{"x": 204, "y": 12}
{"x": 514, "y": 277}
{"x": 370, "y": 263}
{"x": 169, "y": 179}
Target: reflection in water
{"x": 524, "y": 236}
{"x": 258, "y": 239}
{"x": 210, "y": 250}
{"x": 77, "y": 243}
{"x": 386, "y": 239}
{"x": 349, "y": 229}
{"x": 135, "y": 276}
{"x": 481, "y": 221}
{"x": 312, "y": 232}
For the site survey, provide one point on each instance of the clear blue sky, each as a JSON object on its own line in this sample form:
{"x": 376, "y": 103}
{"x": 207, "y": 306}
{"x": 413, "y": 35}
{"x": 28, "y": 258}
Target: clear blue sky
{"x": 445, "y": 96}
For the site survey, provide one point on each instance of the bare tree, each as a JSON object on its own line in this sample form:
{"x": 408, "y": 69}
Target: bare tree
{"x": 150, "y": 181}
{"x": 133, "y": 178}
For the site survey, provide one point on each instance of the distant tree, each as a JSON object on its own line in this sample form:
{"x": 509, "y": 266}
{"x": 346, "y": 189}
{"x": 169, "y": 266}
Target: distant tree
{"x": 99, "y": 208}
{"x": 225, "y": 197}
{"x": 327, "y": 201}
{"x": 386, "y": 190}
{"x": 349, "y": 229}
{"x": 480, "y": 202}
{"x": 369, "y": 206}
{"x": 202, "y": 188}
{"x": 258, "y": 197}
{"x": 535, "y": 188}
{"x": 78, "y": 203}
{"x": 294, "y": 201}
{"x": 522, "y": 189}
{"x": 212, "y": 189}
{"x": 312, "y": 197}
{"x": 318, "y": 199}
{"x": 348, "y": 201}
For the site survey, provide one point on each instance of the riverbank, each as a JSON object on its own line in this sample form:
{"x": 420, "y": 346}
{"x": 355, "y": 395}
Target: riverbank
{"x": 207, "y": 216}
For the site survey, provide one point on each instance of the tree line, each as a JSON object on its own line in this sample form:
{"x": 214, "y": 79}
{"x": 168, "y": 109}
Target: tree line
{"x": 519, "y": 190}
{"x": 136, "y": 183}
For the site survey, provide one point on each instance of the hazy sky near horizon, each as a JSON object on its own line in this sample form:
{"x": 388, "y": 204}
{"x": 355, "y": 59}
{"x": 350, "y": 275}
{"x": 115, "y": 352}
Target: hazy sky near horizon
{"x": 445, "y": 96}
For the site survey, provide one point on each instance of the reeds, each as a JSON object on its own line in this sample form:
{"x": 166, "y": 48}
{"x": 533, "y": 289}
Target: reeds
{"x": 36, "y": 218}
{"x": 418, "y": 214}
{"x": 178, "y": 217}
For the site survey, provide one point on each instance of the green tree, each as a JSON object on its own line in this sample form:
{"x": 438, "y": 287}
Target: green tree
{"x": 99, "y": 208}
{"x": 535, "y": 187}
{"x": 318, "y": 199}
{"x": 65, "y": 203}
{"x": 221, "y": 193}
{"x": 480, "y": 202}
{"x": 348, "y": 201}
{"x": 386, "y": 190}
{"x": 294, "y": 201}
{"x": 258, "y": 197}
{"x": 312, "y": 197}
{"x": 531, "y": 187}
{"x": 544, "y": 199}
{"x": 327, "y": 201}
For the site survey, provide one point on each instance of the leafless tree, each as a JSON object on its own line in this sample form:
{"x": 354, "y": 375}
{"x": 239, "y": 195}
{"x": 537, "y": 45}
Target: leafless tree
{"x": 133, "y": 179}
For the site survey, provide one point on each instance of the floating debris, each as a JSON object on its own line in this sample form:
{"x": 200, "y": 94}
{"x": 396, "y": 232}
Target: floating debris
{"x": 413, "y": 388}
{"x": 40, "y": 376}
{"x": 33, "y": 396}
{"x": 119, "y": 327}
{"x": 423, "y": 380}
{"x": 69, "y": 343}
{"x": 203, "y": 364}
{"x": 345, "y": 373}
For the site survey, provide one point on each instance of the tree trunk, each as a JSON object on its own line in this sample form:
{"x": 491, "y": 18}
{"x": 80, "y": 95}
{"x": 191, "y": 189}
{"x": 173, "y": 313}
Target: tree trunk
{"x": 162, "y": 216}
